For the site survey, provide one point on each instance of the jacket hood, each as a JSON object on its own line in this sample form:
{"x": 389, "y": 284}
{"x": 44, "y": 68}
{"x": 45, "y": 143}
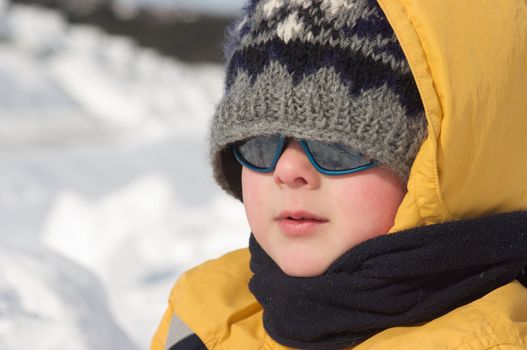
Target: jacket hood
{"x": 468, "y": 59}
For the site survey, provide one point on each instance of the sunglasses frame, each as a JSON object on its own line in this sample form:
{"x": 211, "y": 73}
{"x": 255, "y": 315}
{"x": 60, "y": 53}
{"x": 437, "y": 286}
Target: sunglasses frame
{"x": 280, "y": 149}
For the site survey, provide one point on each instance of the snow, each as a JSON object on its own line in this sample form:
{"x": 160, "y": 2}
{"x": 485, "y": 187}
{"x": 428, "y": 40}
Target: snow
{"x": 106, "y": 195}
{"x": 229, "y": 7}
{"x": 47, "y": 302}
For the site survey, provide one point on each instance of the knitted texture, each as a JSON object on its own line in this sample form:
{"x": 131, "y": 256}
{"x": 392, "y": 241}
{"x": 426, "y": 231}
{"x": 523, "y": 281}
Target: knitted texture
{"x": 320, "y": 70}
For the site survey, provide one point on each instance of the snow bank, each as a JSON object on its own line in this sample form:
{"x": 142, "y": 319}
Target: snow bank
{"x": 106, "y": 78}
{"x": 105, "y": 189}
{"x": 49, "y": 303}
{"x": 137, "y": 240}
{"x": 229, "y": 7}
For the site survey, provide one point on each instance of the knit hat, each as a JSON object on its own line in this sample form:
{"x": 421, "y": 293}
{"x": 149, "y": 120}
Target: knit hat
{"x": 326, "y": 70}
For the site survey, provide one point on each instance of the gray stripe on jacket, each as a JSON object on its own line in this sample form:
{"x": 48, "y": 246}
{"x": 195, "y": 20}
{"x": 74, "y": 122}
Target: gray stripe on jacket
{"x": 177, "y": 332}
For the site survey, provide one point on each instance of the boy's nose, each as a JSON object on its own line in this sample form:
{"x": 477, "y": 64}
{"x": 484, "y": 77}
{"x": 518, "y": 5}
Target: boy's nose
{"x": 294, "y": 169}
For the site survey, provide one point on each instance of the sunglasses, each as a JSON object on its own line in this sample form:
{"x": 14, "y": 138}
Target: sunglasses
{"x": 261, "y": 153}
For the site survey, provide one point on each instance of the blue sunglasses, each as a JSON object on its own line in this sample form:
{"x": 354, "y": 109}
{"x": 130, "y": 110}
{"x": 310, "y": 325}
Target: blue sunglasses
{"x": 261, "y": 154}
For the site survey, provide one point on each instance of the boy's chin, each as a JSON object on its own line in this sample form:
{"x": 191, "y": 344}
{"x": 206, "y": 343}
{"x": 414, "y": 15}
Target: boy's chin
{"x": 303, "y": 267}
{"x": 299, "y": 260}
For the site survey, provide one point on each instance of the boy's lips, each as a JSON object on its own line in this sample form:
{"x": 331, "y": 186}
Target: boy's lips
{"x": 299, "y": 215}
{"x": 299, "y": 223}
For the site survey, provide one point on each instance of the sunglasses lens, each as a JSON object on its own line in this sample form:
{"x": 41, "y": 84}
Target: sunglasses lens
{"x": 259, "y": 151}
{"x": 336, "y": 156}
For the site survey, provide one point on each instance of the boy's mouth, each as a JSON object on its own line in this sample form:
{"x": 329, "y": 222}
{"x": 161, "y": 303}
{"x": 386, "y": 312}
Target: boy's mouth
{"x": 300, "y": 215}
{"x": 299, "y": 223}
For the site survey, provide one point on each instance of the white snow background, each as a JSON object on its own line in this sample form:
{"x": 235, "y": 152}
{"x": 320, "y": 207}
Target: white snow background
{"x": 106, "y": 195}
{"x": 226, "y": 7}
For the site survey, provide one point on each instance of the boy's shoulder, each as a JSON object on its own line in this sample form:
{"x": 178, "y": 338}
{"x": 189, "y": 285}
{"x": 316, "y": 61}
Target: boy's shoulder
{"x": 217, "y": 281}
{"x": 212, "y": 296}
{"x": 495, "y": 321}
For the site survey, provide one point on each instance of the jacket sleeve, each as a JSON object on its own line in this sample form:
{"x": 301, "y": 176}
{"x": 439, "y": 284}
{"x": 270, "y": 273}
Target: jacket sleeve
{"x": 192, "y": 342}
{"x": 180, "y": 337}
{"x": 174, "y": 334}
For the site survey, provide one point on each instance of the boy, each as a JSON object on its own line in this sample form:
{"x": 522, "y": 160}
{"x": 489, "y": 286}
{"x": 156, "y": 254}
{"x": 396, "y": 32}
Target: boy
{"x": 332, "y": 137}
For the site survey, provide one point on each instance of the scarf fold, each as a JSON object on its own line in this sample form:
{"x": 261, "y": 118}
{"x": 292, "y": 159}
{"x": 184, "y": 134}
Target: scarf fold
{"x": 402, "y": 279}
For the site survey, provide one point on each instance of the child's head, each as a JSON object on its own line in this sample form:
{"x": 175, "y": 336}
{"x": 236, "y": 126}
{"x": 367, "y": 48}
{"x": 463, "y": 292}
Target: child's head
{"x": 305, "y": 220}
{"x": 331, "y": 74}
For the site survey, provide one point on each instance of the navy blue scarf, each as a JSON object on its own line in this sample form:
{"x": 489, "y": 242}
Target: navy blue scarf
{"x": 402, "y": 279}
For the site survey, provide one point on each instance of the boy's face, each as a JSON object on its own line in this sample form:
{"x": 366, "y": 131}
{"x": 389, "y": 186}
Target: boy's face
{"x": 305, "y": 220}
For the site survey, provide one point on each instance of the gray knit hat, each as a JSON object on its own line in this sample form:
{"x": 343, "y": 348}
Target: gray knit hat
{"x": 320, "y": 70}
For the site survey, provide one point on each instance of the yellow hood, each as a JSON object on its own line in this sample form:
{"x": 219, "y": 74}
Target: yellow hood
{"x": 469, "y": 60}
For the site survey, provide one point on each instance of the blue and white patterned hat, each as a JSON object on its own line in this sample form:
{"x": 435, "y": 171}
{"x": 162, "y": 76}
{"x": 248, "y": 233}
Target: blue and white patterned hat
{"x": 329, "y": 70}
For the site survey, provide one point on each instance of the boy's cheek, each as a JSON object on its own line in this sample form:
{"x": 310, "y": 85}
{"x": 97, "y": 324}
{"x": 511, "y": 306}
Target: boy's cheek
{"x": 368, "y": 206}
{"x": 252, "y": 187}
{"x": 255, "y": 196}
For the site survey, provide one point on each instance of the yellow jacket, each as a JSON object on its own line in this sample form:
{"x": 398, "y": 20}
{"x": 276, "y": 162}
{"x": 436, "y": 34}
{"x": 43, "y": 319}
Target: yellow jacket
{"x": 469, "y": 60}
